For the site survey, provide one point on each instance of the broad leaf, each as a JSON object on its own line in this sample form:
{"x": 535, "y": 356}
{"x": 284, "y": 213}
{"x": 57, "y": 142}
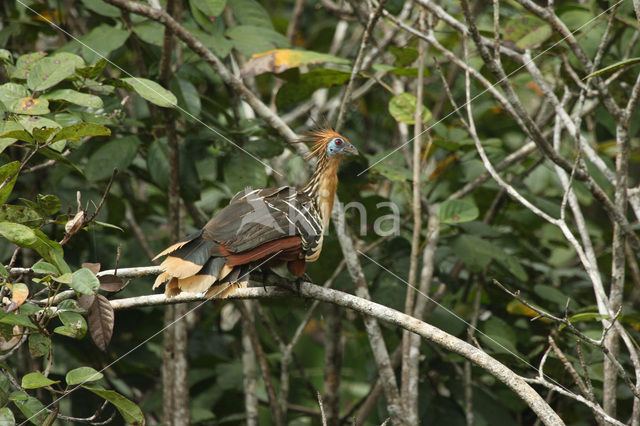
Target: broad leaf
{"x": 51, "y": 70}
{"x": 101, "y": 321}
{"x": 8, "y": 176}
{"x": 20, "y": 214}
{"x": 32, "y": 409}
{"x": 101, "y": 41}
{"x": 527, "y": 31}
{"x": 457, "y": 211}
{"x": 403, "y": 108}
{"x": 118, "y": 153}
{"x": 24, "y": 65}
{"x": 39, "y": 345}
{"x": 295, "y": 91}
{"x": 82, "y": 375}
{"x": 152, "y": 91}
{"x": 36, "y": 380}
{"x": 74, "y": 97}
{"x": 130, "y": 411}
{"x": 250, "y": 40}
{"x": 81, "y": 130}
{"x": 84, "y": 281}
{"x": 74, "y": 325}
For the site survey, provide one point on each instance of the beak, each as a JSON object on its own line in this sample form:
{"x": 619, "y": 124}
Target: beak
{"x": 349, "y": 149}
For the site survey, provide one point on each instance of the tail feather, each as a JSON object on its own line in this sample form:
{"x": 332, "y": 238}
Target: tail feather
{"x": 179, "y": 244}
{"x": 179, "y": 268}
{"x": 196, "y": 283}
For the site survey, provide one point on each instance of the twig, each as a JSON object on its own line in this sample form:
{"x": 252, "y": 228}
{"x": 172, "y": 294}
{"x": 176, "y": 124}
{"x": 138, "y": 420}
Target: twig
{"x": 264, "y": 364}
{"x": 598, "y": 343}
{"x": 373, "y": 18}
{"x": 324, "y": 417}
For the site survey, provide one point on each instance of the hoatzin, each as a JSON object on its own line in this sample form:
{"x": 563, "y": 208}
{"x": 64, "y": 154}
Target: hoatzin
{"x": 260, "y": 227}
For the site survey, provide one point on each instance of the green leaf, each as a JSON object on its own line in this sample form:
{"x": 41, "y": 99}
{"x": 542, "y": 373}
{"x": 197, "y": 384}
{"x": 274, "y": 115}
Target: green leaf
{"x": 8, "y": 176}
{"x": 527, "y": 31}
{"x": 50, "y": 250}
{"x": 25, "y": 63}
{"x": 499, "y": 336}
{"x": 34, "y": 122}
{"x": 38, "y": 345}
{"x": 41, "y": 135}
{"x": 31, "y": 106}
{"x": 250, "y": 40}
{"x": 404, "y": 56}
{"x": 187, "y": 96}
{"x": 118, "y": 153}
{"x": 8, "y": 127}
{"x": 82, "y": 375}
{"x": 457, "y": 211}
{"x": 81, "y": 130}
{"x": 101, "y": 41}
{"x": 74, "y": 97}
{"x": 250, "y": 12}
{"x": 20, "y": 214}
{"x": 211, "y": 8}
{"x": 48, "y": 204}
{"x": 42, "y": 267}
{"x": 102, "y": 8}
{"x": 392, "y": 172}
{"x": 51, "y": 70}
{"x": 150, "y": 32}
{"x": 94, "y": 70}
{"x": 5, "y": 56}
{"x": 303, "y": 88}
{"x": 403, "y": 108}
{"x": 74, "y": 325}
{"x": 36, "y": 380}
{"x": 18, "y": 234}
{"x": 6, "y": 417}
{"x": 130, "y": 411}
{"x": 84, "y": 281}
{"x": 18, "y": 396}
{"x": 614, "y": 67}
{"x": 32, "y": 409}
{"x": 554, "y": 295}
{"x": 15, "y": 318}
{"x": 152, "y": 91}
{"x": 239, "y": 173}
{"x": 158, "y": 166}
{"x": 11, "y": 94}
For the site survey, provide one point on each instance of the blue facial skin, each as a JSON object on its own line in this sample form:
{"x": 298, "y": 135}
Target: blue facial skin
{"x": 339, "y": 146}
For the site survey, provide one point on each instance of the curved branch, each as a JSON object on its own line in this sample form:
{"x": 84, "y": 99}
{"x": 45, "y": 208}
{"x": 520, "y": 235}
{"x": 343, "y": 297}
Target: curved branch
{"x": 286, "y": 288}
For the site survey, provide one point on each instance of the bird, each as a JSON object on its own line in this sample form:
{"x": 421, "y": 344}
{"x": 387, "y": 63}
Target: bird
{"x": 259, "y": 228}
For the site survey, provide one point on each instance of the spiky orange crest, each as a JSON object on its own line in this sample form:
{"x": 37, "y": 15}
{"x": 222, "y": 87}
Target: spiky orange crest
{"x": 320, "y": 139}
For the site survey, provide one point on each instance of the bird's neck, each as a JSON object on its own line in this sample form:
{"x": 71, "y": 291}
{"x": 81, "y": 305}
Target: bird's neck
{"x": 322, "y": 186}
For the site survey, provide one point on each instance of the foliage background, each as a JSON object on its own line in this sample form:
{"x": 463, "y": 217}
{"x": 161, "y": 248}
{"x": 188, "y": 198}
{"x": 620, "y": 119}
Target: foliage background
{"x": 485, "y": 236}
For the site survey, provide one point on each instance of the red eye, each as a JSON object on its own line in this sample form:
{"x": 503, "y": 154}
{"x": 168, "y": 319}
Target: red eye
{"x": 338, "y": 141}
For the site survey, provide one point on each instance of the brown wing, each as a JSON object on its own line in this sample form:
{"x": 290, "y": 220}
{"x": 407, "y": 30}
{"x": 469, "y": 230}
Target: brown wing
{"x": 270, "y": 224}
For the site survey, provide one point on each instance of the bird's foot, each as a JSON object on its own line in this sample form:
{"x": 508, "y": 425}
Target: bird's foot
{"x": 302, "y": 278}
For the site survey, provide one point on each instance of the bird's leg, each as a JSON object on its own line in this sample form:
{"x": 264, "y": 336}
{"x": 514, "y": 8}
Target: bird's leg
{"x": 265, "y": 274}
{"x": 300, "y": 279}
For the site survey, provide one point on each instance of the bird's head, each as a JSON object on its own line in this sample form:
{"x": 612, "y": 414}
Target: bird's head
{"x": 329, "y": 143}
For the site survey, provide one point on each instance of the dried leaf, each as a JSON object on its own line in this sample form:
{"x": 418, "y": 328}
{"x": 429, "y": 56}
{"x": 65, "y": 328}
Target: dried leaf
{"x": 93, "y": 267}
{"x": 279, "y": 60}
{"x": 110, "y": 283}
{"x": 19, "y": 293}
{"x": 86, "y": 300}
{"x": 101, "y": 318}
